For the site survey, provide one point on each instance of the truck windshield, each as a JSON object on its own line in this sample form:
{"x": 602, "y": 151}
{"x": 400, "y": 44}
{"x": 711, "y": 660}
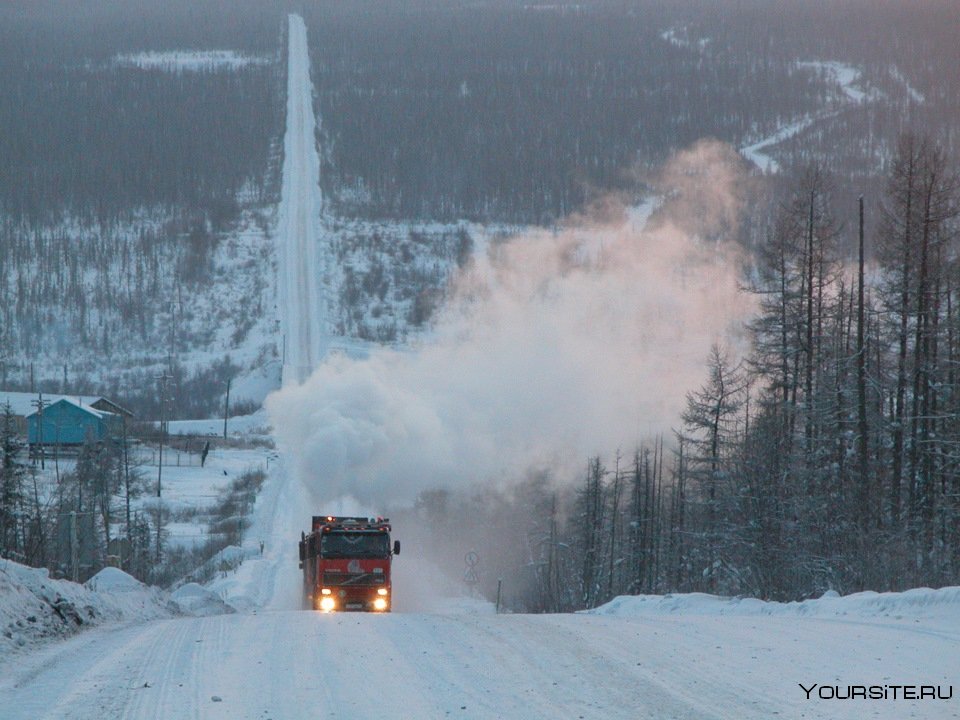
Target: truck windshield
{"x": 354, "y": 545}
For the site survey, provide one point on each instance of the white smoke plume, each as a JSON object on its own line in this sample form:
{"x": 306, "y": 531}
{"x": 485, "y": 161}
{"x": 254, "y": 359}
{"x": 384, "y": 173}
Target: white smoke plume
{"x": 552, "y": 346}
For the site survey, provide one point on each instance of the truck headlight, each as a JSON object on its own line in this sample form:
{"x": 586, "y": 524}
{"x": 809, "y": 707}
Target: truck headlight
{"x": 325, "y": 591}
{"x": 380, "y": 604}
{"x": 327, "y": 603}
{"x": 381, "y": 591}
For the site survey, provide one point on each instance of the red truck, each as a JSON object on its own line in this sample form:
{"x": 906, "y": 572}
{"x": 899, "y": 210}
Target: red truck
{"x": 346, "y": 564}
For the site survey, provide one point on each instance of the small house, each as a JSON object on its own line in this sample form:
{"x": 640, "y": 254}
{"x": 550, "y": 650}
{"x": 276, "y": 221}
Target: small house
{"x": 67, "y": 423}
{"x": 23, "y": 404}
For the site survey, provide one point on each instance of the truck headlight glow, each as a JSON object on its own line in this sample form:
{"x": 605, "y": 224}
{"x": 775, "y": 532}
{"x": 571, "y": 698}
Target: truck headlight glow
{"x": 380, "y": 604}
{"x": 325, "y": 591}
{"x": 327, "y": 603}
{"x": 381, "y": 591}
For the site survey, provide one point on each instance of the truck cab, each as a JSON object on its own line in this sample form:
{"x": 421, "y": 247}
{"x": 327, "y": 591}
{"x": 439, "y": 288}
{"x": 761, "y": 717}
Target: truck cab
{"x": 346, "y": 563}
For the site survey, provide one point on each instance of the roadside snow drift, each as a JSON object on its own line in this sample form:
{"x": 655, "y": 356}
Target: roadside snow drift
{"x": 33, "y": 607}
{"x": 689, "y": 657}
{"x": 910, "y": 606}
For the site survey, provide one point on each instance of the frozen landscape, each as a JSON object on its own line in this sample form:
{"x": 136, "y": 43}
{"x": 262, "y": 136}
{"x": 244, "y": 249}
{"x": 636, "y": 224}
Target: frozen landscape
{"x": 440, "y": 654}
{"x": 349, "y": 423}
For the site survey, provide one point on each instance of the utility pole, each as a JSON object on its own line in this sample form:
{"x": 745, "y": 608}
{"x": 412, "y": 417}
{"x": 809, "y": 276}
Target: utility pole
{"x": 39, "y": 404}
{"x": 38, "y": 519}
{"x": 73, "y": 546}
{"x": 226, "y": 410}
{"x": 126, "y": 485}
{"x": 162, "y": 378}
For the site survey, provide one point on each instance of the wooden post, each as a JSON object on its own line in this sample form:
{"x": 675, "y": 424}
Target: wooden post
{"x": 226, "y": 410}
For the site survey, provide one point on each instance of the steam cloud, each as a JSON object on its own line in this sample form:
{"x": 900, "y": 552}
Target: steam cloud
{"x": 552, "y": 347}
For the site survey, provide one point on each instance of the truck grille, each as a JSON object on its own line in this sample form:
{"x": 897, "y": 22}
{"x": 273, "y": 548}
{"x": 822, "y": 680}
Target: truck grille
{"x": 354, "y": 579}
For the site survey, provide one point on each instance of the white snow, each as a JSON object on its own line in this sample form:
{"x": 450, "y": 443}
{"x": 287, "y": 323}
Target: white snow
{"x": 439, "y": 655}
{"x": 302, "y": 309}
{"x": 915, "y": 95}
{"x": 913, "y": 605}
{"x": 682, "y": 656}
{"x": 257, "y": 423}
{"x": 188, "y": 60}
{"x": 845, "y": 76}
{"x": 197, "y": 600}
{"x": 114, "y": 580}
{"x": 24, "y": 403}
{"x": 755, "y": 153}
{"x": 35, "y": 608}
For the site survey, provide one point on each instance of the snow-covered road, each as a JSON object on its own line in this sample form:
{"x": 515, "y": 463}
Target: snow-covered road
{"x": 683, "y": 657}
{"x": 301, "y": 304}
{"x": 290, "y": 665}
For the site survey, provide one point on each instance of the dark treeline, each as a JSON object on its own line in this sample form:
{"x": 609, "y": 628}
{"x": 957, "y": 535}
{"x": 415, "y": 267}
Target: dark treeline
{"x": 88, "y": 137}
{"x": 118, "y": 183}
{"x": 824, "y": 459}
{"x": 518, "y": 112}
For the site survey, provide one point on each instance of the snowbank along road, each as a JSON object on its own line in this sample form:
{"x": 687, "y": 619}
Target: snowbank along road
{"x": 683, "y": 657}
{"x": 680, "y": 657}
{"x": 298, "y": 230}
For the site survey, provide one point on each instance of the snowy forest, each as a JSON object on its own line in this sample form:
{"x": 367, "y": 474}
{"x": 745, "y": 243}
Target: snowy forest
{"x": 825, "y": 459}
{"x": 136, "y": 203}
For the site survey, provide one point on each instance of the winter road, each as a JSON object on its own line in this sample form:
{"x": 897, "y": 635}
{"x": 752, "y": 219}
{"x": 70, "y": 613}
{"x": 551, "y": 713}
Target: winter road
{"x": 298, "y": 234}
{"x": 277, "y": 663}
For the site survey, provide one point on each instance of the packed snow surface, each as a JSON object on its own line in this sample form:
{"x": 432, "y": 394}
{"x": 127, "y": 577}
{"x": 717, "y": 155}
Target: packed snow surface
{"x": 682, "y": 656}
{"x": 298, "y": 233}
{"x": 188, "y": 60}
{"x": 195, "y": 599}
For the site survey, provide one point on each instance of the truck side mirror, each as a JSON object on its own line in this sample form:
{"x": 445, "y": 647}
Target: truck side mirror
{"x": 301, "y": 553}
{"x": 396, "y": 547}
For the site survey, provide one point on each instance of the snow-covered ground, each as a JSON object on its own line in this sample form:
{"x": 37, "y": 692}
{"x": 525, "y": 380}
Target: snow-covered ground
{"x": 915, "y": 95}
{"x": 302, "y": 308}
{"x": 188, "y": 60}
{"x": 844, "y": 76}
{"x": 657, "y": 657}
{"x": 35, "y": 608}
{"x": 257, "y": 423}
{"x": 439, "y": 655}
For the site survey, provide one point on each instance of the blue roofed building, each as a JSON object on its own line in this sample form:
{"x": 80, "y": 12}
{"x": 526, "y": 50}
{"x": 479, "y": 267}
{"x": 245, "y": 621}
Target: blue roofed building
{"x": 68, "y": 423}
{"x": 23, "y": 404}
